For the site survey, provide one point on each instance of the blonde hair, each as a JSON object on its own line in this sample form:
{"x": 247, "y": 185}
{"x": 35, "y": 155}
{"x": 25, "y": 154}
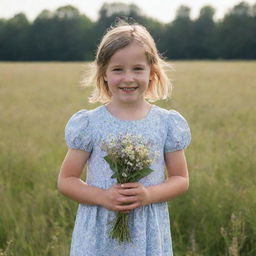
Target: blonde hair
{"x": 117, "y": 38}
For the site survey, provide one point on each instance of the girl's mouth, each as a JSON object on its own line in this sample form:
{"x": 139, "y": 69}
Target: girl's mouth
{"x": 128, "y": 88}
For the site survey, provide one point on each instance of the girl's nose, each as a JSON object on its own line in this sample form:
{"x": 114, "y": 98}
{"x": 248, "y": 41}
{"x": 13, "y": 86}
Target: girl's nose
{"x": 128, "y": 77}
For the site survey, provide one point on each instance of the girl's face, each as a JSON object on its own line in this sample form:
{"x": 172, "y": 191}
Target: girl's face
{"x": 128, "y": 74}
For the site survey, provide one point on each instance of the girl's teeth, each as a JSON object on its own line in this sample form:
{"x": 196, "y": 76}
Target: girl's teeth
{"x": 128, "y": 89}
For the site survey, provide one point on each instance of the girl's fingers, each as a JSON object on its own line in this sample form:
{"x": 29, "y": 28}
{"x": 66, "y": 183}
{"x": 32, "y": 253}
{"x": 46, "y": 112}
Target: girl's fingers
{"x": 128, "y": 192}
{"x": 124, "y": 208}
{"x": 117, "y": 186}
{"x": 128, "y": 199}
{"x": 130, "y": 185}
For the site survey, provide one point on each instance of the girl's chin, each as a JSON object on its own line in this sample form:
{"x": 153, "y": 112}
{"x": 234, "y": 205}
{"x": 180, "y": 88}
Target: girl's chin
{"x": 131, "y": 100}
{"x": 133, "y": 97}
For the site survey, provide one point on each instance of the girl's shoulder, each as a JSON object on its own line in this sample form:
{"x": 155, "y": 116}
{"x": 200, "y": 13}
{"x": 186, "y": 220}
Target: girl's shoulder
{"x": 178, "y": 131}
{"x": 85, "y": 114}
{"x": 79, "y": 129}
{"x": 84, "y": 120}
{"x": 169, "y": 115}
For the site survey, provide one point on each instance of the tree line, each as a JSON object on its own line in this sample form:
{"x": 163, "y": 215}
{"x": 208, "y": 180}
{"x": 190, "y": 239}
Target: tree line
{"x": 68, "y": 35}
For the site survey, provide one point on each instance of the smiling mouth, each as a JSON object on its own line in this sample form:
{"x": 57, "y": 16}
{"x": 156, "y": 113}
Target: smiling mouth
{"x": 128, "y": 88}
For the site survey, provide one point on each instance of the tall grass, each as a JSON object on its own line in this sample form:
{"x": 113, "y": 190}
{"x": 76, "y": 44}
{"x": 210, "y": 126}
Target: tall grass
{"x": 217, "y": 215}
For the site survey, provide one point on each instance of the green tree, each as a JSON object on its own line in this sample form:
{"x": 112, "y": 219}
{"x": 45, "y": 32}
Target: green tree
{"x": 14, "y": 38}
{"x": 66, "y": 34}
{"x": 62, "y": 35}
{"x": 236, "y": 33}
{"x": 179, "y": 35}
{"x": 42, "y": 35}
{"x": 2, "y": 35}
{"x": 157, "y": 30}
{"x": 110, "y": 13}
{"x": 73, "y": 33}
{"x": 204, "y": 41}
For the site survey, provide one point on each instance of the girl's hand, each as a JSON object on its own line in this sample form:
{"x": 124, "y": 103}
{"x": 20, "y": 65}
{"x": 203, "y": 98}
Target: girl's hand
{"x": 125, "y": 197}
{"x": 112, "y": 198}
{"x": 134, "y": 195}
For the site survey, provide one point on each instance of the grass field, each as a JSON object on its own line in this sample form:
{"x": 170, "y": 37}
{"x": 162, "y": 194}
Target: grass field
{"x": 215, "y": 218}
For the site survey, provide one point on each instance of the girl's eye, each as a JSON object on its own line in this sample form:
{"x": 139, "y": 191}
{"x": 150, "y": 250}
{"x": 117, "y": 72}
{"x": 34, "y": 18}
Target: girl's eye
{"x": 138, "y": 68}
{"x": 117, "y": 69}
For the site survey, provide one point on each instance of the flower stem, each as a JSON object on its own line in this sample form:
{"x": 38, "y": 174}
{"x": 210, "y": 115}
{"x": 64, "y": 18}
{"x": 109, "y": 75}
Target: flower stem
{"x": 120, "y": 230}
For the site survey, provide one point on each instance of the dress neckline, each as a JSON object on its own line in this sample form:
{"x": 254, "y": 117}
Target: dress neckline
{"x": 129, "y": 121}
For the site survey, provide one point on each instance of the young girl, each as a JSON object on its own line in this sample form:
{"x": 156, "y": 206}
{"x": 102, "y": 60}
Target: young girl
{"x": 129, "y": 72}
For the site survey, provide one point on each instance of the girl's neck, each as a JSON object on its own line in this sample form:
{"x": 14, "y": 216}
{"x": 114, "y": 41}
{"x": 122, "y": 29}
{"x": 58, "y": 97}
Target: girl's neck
{"x": 129, "y": 111}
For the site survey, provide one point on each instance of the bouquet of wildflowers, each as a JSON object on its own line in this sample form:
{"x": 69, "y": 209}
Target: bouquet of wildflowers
{"x": 129, "y": 158}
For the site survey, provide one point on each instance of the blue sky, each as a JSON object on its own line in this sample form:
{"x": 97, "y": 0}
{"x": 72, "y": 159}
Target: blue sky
{"x": 163, "y": 10}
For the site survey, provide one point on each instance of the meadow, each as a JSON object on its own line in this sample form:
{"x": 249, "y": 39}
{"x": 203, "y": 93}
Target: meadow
{"x": 216, "y": 217}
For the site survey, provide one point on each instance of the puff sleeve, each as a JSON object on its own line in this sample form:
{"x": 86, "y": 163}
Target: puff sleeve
{"x": 178, "y": 132}
{"x": 78, "y": 133}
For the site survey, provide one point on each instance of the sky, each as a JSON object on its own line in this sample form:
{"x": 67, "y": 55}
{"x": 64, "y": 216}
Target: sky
{"x": 162, "y": 10}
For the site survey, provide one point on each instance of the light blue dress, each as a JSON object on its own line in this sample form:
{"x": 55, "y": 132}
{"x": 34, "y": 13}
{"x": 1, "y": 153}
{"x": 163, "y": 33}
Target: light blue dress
{"x": 149, "y": 225}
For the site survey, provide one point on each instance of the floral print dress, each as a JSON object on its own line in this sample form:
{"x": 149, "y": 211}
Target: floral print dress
{"x": 149, "y": 225}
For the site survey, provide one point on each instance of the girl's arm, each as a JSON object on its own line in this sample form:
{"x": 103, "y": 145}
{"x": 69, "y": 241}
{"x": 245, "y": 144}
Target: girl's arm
{"x": 177, "y": 183}
{"x": 70, "y": 184}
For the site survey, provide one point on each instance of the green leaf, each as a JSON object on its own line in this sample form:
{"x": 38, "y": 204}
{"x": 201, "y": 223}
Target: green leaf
{"x": 117, "y": 169}
{"x": 114, "y": 175}
{"x": 111, "y": 163}
{"x": 136, "y": 176}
